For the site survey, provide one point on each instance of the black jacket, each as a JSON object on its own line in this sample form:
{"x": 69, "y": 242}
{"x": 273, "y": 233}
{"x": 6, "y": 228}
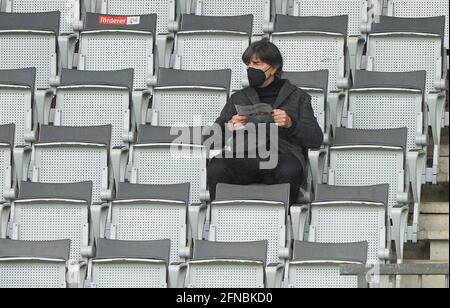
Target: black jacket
{"x": 305, "y": 133}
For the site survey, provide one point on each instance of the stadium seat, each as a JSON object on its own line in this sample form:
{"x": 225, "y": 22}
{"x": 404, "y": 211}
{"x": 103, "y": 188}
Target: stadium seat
{"x": 419, "y": 8}
{"x": 393, "y": 100}
{"x": 262, "y": 11}
{"x": 47, "y": 212}
{"x": 17, "y": 104}
{"x": 102, "y": 98}
{"x": 152, "y": 212}
{"x": 7, "y": 182}
{"x": 30, "y": 40}
{"x": 345, "y": 214}
{"x": 70, "y": 22}
{"x": 316, "y": 265}
{"x": 231, "y": 265}
{"x": 252, "y": 213}
{"x": 312, "y": 44}
{"x": 214, "y": 43}
{"x": 189, "y": 98}
{"x": 121, "y": 42}
{"x": 25, "y": 264}
{"x": 124, "y": 264}
{"x": 375, "y": 157}
{"x": 360, "y": 12}
{"x": 412, "y": 44}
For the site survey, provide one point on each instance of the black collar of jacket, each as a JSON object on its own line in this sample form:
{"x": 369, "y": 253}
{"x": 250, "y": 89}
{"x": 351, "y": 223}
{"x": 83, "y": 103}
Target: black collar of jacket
{"x": 287, "y": 89}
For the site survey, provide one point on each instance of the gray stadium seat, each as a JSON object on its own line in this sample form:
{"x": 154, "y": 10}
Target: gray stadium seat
{"x": 189, "y": 98}
{"x": 392, "y": 100}
{"x": 231, "y": 265}
{"x": 152, "y": 212}
{"x": 17, "y": 103}
{"x": 47, "y": 212}
{"x": 124, "y": 264}
{"x": 375, "y": 157}
{"x": 35, "y": 265}
{"x": 7, "y": 183}
{"x": 106, "y": 44}
{"x": 214, "y": 43}
{"x": 419, "y": 8}
{"x": 70, "y": 22}
{"x": 344, "y": 214}
{"x": 262, "y": 10}
{"x": 91, "y": 98}
{"x": 316, "y": 265}
{"x": 30, "y": 40}
{"x": 314, "y": 43}
{"x": 252, "y": 213}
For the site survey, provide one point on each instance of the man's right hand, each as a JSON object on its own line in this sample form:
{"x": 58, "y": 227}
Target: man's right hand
{"x": 237, "y": 123}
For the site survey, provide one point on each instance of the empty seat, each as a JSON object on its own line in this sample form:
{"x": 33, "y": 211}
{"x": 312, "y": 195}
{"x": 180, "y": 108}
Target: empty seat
{"x": 90, "y": 98}
{"x": 312, "y": 44}
{"x": 152, "y": 212}
{"x": 29, "y": 40}
{"x": 375, "y": 157}
{"x": 6, "y": 174}
{"x": 26, "y": 264}
{"x": 124, "y": 264}
{"x": 70, "y": 21}
{"x": 17, "y": 103}
{"x": 316, "y": 265}
{"x": 229, "y": 265}
{"x": 262, "y": 10}
{"x": 419, "y": 8}
{"x": 214, "y": 43}
{"x": 344, "y": 214}
{"x": 252, "y": 213}
{"x": 162, "y": 156}
{"x": 190, "y": 98}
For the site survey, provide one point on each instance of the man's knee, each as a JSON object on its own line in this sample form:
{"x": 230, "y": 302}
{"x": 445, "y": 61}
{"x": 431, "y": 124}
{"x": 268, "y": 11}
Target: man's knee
{"x": 217, "y": 168}
{"x": 289, "y": 169}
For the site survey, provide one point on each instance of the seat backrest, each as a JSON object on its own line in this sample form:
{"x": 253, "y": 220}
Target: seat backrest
{"x": 369, "y": 157}
{"x": 214, "y": 43}
{"x": 125, "y": 264}
{"x": 419, "y": 8}
{"x": 70, "y": 10}
{"x": 313, "y": 43}
{"x": 26, "y": 264}
{"x": 29, "y": 40}
{"x": 119, "y": 42}
{"x": 190, "y": 98}
{"x": 357, "y": 11}
{"x": 344, "y": 214}
{"x": 227, "y": 265}
{"x": 16, "y": 94}
{"x": 73, "y": 154}
{"x": 165, "y": 9}
{"x": 46, "y": 212}
{"x": 408, "y": 44}
{"x": 6, "y": 146}
{"x": 316, "y": 265}
{"x": 314, "y": 83}
{"x": 251, "y": 213}
{"x": 157, "y": 159}
{"x": 101, "y": 97}
{"x": 389, "y": 100}
{"x": 151, "y": 212}
{"x": 262, "y": 10}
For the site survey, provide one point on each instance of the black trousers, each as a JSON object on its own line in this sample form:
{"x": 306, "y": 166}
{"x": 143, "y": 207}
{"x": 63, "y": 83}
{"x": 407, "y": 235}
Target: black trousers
{"x": 246, "y": 171}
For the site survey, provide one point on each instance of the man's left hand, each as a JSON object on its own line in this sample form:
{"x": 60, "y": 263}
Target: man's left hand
{"x": 282, "y": 119}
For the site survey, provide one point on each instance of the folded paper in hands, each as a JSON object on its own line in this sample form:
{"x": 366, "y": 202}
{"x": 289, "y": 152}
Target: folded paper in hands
{"x": 258, "y": 113}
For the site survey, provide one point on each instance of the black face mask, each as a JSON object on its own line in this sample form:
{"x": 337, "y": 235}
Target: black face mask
{"x": 256, "y": 77}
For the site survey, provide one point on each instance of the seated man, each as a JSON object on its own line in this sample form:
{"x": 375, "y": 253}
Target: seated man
{"x": 298, "y": 129}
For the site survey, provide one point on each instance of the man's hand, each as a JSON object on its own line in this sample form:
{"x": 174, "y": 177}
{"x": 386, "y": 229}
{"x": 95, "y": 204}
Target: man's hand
{"x": 281, "y": 118}
{"x": 237, "y": 123}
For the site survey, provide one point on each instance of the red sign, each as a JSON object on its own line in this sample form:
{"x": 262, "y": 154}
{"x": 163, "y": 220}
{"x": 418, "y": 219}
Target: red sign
{"x": 113, "y": 20}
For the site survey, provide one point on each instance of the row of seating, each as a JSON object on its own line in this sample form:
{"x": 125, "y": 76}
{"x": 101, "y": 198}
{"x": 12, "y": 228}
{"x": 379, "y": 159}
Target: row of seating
{"x": 126, "y": 264}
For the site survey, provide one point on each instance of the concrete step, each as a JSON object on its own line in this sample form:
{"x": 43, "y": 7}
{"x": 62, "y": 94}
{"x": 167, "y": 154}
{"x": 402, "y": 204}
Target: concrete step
{"x": 434, "y": 228}
{"x": 427, "y": 281}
